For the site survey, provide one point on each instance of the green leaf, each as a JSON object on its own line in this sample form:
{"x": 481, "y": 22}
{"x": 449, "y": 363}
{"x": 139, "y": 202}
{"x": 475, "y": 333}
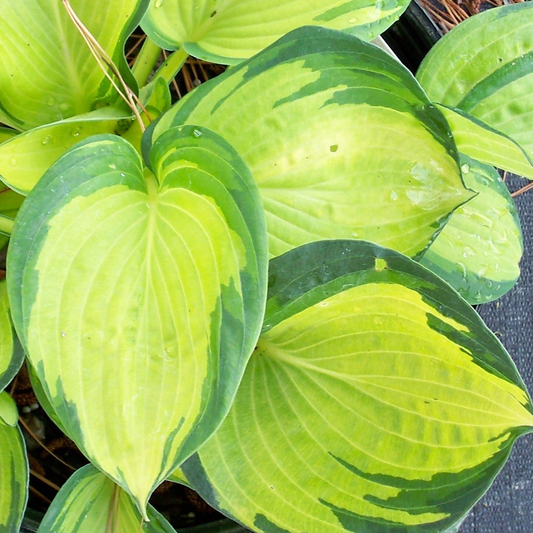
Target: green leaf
{"x": 479, "y": 249}
{"x": 25, "y": 158}
{"x": 138, "y": 302}
{"x": 47, "y": 73}
{"x": 156, "y": 99}
{"x": 8, "y": 410}
{"x": 485, "y": 68}
{"x": 315, "y": 140}
{"x": 13, "y": 477}
{"x": 90, "y": 501}
{"x": 234, "y": 30}
{"x": 11, "y": 354}
{"x": 486, "y": 144}
{"x": 10, "y": 202}
{"x": 376, "y": 401}
{"x": 6, "y": 134}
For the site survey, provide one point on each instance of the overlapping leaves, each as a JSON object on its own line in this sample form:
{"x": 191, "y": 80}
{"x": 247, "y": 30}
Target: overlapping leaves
{"x": 479, "y": 250}
{"x": 139, "y": 297}
{"x": 484, "y": 68}
{"x": 110, "y": 508}
{"x": 229, "y": 31}
{"x": 315, "y": 140}
{"x": 376, "y": 401}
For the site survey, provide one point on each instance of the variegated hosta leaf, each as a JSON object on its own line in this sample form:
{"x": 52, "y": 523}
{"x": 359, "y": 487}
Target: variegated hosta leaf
{"x": 479, "y": 249}
{"x": 11, "y": 354}
{"x": 315, "y": 141}
{"x": 13, "y": 467}
{"x": 485, "y": 67}
{"x": 229, "y": 31}
{"x": 26, "y": 157}
{"x": 90, "y": 502}
{"x": 376, "y": 401}
{"x": 485, "y": 144}
{"x": 139, "y": 304}
{"x": 47, "y": 72}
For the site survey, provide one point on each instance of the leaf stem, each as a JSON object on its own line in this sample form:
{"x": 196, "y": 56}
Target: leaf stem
{"x": 145, "y": 61}
{"x": 6, "y": 225}
{"x": 172, "y": 65}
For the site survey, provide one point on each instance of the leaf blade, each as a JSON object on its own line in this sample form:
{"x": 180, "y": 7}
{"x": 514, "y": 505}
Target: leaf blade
{"x": 326, "y": 427}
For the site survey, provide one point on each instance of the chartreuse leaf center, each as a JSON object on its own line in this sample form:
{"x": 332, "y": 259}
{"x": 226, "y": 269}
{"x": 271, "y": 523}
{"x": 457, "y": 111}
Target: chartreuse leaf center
{"x": 142, "y": 298}
{"x": 376, "y": 401}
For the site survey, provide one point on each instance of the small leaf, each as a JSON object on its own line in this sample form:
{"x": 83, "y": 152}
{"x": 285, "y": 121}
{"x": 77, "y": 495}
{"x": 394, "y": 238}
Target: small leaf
{"x": 234, "y": 30}
{"x": 11, "y": 353}
{"x": 485, "y": 144}
{"x": 13, "y": 477}
{"x": 376, "y": 401}
{"x": 90, "y": 501}
{"x": 139, "y": 298}
{"x": 479, "y": 249}
{"x": 25, "y": 158}
{"x": 47, "y": 73}
{"x": 8, "y": 410}
{"x": 314, "y": 141}
{"x": 484, "y": 67}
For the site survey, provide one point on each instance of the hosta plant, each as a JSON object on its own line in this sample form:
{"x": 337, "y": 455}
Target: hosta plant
{"x": 264, "y": 290}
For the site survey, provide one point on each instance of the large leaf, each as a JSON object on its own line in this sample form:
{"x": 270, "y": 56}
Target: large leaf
{"x": 229, "y": 31}
{"x": 139, "y": 303}
{"x": 315, "y": 141}
{"x": 485, "y": 144}
{"x": 11, "y": 354}
{"x": 479, "y": 249}
{"x": 376, "y": 401}
{"x": 90, "y": 502}
{"x": 13, "y": 468}
{"x": 485, "y": 67}
{"x": 47, "y": 72}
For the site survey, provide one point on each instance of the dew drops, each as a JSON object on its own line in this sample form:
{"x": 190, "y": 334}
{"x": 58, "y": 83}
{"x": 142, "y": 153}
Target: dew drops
{"x": 51, "y": 101}
{"x": 63, "y": 334}
{"x": 197, "y": 133}
{"x": 465, "y": 169}
{"x": 394, "y": 196}
{"x": 113, "y": 166}
{"x": 63, "y": 106}
{"x": 353, "y": 20}
{"x": 13, "y": 162}
{"x": 75, "y": 132}
{"x": 47, "y": 140}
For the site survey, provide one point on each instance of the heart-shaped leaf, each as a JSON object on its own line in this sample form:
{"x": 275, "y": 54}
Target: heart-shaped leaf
{"x": 485, "y": 144}
{"x": 233, "y": 30}
{"x": 47, "y": 72}
{"x": 11, "y": 354}
{"x": 13, "y": 468}
{"x": 376, "y": 401}
{"x": 315, "y": 140}
{"x": 139, "y": 303}
{"x": 484, "y": 67}
{"x": 479, "y": 249}
{"x": 110, "y": 509}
